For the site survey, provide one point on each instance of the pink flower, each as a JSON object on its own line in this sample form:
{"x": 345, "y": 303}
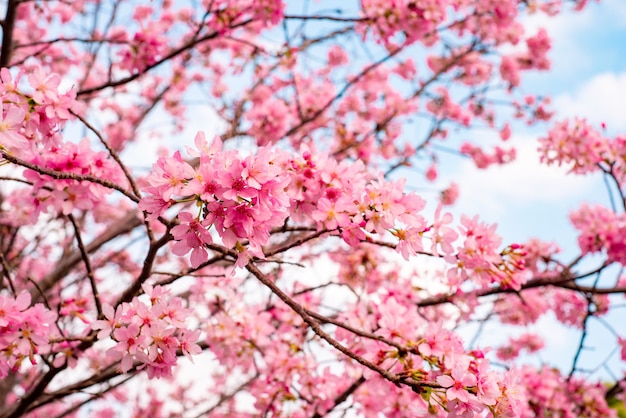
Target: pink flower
{"x": 160, "y": 336}
{"x": 332, "y": 214}
{"x": 130, "y": 342}
{"x": 457, "y": 383}
{"x": 431, "y": 172}
{"x": 233, "y": 183}
{"x": 170, "y": 176}
{"x": 11, "y": 310}
{"x": 450, "y": 195}
{"x": 442, "y": 236}
{"x": 187, "y": 342}
{"x": 129, "y": 339}
{"x": 45, "y": 84}
{"x": 155, "y": 206}
{"x": 505, "y": 132}
{"x": 10, "y": 124}
{"x": 113, "y": 321}
{"x": 410, "y": 242}
{"x": 191, "y": 235}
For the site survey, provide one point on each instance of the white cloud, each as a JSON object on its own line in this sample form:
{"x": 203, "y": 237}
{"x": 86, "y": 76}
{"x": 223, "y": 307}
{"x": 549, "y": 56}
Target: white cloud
{"x": 499, "y": 190}
{"x": 600, "y": 99}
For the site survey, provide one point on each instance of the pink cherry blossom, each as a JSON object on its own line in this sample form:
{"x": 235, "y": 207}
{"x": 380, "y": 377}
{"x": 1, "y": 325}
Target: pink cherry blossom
{"x": 457, "y": 383}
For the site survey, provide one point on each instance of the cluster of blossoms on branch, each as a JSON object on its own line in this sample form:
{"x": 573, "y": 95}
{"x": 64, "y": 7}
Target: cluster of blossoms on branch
{"x": 24, "y": 332}
{"x": 243, "y": 199}
{"x": 464, "y": 382}
{"x": 34, "y": 112}
{"x": 150, "y": 334}
{"x": 583, "y": 149}
{"x": 601, "y": 229}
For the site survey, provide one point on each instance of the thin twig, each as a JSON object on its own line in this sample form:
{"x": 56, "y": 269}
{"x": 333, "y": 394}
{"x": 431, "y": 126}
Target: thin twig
{"x": 6, "y": 272}
{"x": 90, "y": 275}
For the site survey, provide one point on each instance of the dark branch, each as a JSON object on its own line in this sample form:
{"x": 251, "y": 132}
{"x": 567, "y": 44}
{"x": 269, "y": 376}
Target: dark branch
{"x": 7, "y": 33}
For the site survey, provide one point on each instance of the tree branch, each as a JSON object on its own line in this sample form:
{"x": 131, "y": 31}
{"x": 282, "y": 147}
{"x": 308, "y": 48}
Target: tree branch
{"x": 7, "y": 33}
{"x": 90, "y": 275}
{"x": 61, "y": 175}
{"x": 174, "y": 53}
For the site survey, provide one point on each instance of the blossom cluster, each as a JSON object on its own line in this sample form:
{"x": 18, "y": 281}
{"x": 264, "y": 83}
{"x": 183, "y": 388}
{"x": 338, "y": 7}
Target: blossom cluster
{"x": 244, "y": 198}
{"x": 24, "y": 331}
{"x": 577, "y": 144}
{"x": 63, "y": 196}
{"x": 417, "y": 21}
{"x": 151, "y": 334}
{"x": 483, "y": 160}
{"x": 33, "y": 112}
{"x": 527, "y": 341}
{"x": 551, "y": 394}
{"x": 465, "y": 384}
{"x": 601, "y": 229}
{"x": 480, "y": 258}
{"x": 293, "y": 98}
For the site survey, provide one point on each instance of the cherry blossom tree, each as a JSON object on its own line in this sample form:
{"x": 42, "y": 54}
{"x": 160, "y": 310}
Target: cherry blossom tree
{"x": 284, "y": 256}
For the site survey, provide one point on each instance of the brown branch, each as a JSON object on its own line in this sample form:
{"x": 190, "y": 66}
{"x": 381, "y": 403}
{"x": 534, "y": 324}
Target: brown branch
{"x": 315, "y": 326}
{"x": 225, "y": 397}
{"x": 8, "y": 25}
{"x": 112, "y": 153}
{"x": 68, "y": 262}
{"x": 615, "y": 390}
{"x": 342, "y": 397}
{"x": 68, "y": 40}
{"x": 294, "y": 243}
{"x": 6, "y": 272}
{"x": 360, "y": 333}
{"x": 146, "y": 271}
{"x": 565, "y": 279}
{"x": 122, "y": 166}
{"x": 583, "y": 335}
{"x": 94, "y": 396}
{"x": 592, "y": 290}
{"x": 7, "y": 178}
{"x": 100, "y": 376}
{"x": 341, "y": 93}
{"x": 61, "y": 175}
{"x": 90, "y": 275}
{"x": 174, "y": 53}
{"x": 332, "y": 18}
{"x": 26, "y": 401}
